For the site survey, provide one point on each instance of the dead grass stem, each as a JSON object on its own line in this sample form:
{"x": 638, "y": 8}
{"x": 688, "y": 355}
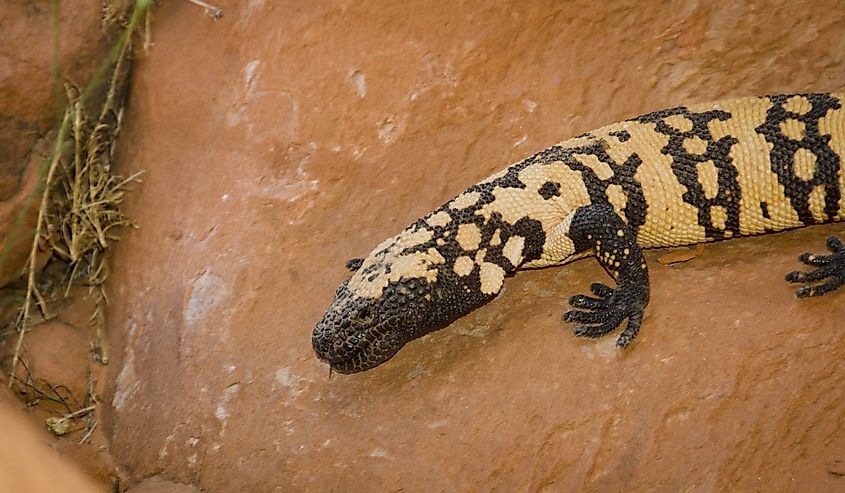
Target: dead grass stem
{"x": 79, "y": 212}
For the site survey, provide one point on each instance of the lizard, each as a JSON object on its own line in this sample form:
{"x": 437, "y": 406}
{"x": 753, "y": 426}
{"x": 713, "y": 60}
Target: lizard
{"x": 680, "y": 176}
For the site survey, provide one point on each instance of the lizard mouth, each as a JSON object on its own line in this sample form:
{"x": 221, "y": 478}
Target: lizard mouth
{"x": 360, "y": 361}
{"x": 364, "y": 349}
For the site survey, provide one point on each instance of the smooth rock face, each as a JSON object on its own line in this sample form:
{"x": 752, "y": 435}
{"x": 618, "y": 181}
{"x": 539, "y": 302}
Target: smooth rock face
{"x": 158, "y": 485}
{"x": 27, "y": 465}
{"x": 282, "y": 141}
{"x": 30, "y": 104}
{"x": 58, "y": 353}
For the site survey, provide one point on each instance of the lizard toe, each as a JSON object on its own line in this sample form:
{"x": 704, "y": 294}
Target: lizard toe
{"x": 354, "y": 264}
{"x": 601, "y": 316}
{"x": 828, "y": 272}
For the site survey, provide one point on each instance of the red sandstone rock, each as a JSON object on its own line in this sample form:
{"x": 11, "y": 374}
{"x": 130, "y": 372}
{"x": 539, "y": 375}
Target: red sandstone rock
{"x": 289, "y": 137}
{"x": 59, "y": 354}
{"x": 27, "y": 465}
{"x": 158, "y": 485}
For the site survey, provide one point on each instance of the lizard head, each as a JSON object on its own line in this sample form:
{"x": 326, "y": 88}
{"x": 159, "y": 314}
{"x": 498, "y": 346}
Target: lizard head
{"x": 358, "y": 333}
{"x": 386, "y": 303}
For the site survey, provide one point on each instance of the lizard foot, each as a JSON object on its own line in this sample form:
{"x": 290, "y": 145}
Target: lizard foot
{"x": 605, "y": 312}
{"x": 829, "y": 273}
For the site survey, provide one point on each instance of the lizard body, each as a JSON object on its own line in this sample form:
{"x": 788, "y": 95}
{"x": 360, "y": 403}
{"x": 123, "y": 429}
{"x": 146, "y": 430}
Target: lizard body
{"x": 680, "y": 176}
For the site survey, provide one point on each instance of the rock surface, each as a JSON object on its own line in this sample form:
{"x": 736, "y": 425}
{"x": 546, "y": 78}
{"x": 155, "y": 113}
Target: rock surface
{"x": 283, "y": 140}
{"x": 158, "y": 485}
{"x": 27, "y": 465}
{"x": 59, "y": 371}
{"x": 60, "y": 354}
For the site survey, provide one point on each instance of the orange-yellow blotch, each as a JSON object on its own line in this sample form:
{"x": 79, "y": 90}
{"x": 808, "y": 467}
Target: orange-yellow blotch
{"x": 798, "y": 104}
{"x": 492, "y": 277}
{"x": 496, "y": 240}
{"x": 441, "y": 219}
{"x": 616, "y": 196}
{"x": 695, "y": 145}
{"x": 463, "y": 266}
{"x": 816, "y": 203}
{"x": 469, "y": 236}
{"x": 718, "y": 216}
{"x": 679, "y": 122}
{"x": 479, "y": 256}
{"x": 602, "y": 170}
{"x": 794, "y": 129}
{"x": 513, "y": 249}
{"x": 708, "y": 176}
{"x": 464, "y": 200}
{"x": 805, "y": 164}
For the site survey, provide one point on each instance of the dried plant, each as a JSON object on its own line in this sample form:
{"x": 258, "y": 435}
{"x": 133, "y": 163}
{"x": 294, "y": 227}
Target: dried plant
{"x": 79, "y": 211}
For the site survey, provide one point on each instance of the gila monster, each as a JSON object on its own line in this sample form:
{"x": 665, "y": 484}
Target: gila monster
{"x": 675, "y": 177}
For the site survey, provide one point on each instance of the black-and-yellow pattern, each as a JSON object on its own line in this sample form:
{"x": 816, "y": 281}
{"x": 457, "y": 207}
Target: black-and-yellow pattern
{"x": 674, "y": 177}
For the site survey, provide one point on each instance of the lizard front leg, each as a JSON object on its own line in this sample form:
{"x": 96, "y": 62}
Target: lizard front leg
{"x": 597, "y": 227}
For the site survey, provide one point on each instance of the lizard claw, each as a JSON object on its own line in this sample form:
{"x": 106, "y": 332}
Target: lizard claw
{"x": 602, "y": 292}
{"x": 828, "y": 273}
{"x": 605, "y": 312}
